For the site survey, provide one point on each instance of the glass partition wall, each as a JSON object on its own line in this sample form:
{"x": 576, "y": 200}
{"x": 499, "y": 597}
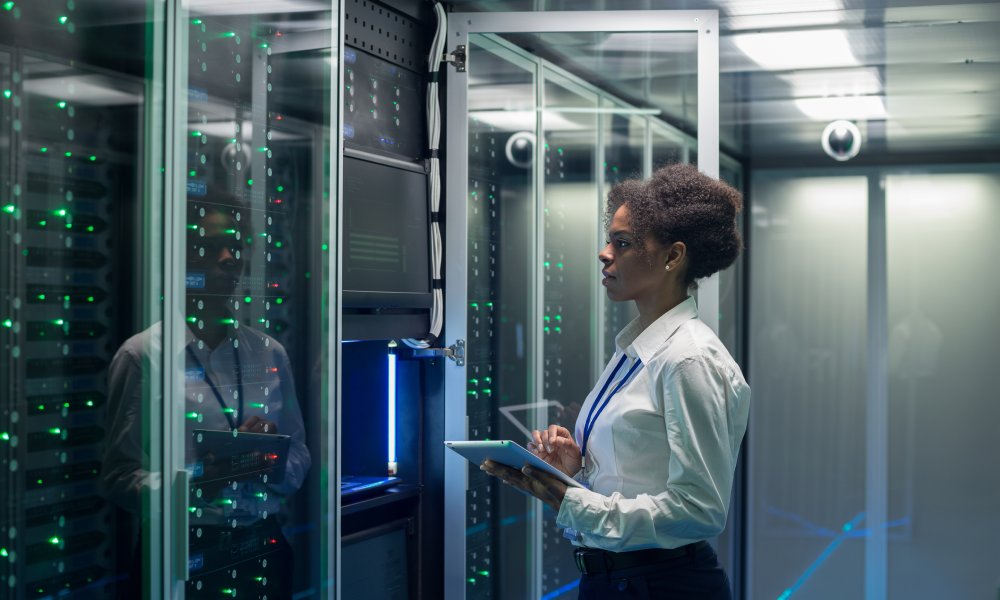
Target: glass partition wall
{"x": 165, "y": 421}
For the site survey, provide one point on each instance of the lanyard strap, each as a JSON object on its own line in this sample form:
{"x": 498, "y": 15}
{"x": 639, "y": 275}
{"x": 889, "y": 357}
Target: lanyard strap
{"x": 234, "y": 424}
{"x": 588, "y": 425}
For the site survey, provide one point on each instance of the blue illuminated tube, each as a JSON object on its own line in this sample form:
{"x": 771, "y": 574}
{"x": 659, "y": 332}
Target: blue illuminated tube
{"x": 393, "y": 466}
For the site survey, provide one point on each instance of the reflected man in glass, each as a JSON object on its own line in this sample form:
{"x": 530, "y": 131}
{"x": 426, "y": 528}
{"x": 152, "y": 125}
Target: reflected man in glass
{"x": 244, "y": 437}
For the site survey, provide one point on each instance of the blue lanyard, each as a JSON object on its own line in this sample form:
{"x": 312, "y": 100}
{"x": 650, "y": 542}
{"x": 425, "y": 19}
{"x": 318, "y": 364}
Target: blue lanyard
{"x": 588, "y": 425}
{"x": 234, "y": 424}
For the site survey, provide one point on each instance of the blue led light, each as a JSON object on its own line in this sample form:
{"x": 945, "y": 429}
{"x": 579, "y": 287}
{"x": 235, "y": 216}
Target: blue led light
{"x": 562, "y": 590}
{"x": 392, "y": 408}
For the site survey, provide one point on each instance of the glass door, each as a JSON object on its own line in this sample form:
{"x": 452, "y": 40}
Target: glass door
{"x": 248, "y": 330}
{"x": 539, "y": 146}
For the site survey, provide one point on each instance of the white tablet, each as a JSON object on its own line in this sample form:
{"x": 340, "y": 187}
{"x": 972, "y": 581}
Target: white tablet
{"x": 507, "y": 453}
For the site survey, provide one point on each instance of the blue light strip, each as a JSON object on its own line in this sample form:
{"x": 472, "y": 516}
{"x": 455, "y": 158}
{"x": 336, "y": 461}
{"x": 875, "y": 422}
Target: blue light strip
{"x": 392, "y": 408}
{"x": 560, "y": 591}
{"x": 846, "y": 532}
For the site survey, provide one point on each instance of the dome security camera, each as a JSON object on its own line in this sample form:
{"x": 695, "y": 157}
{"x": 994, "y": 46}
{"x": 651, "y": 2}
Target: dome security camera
{"x": 520, "y": 149}
{"x": 841, "y": 140}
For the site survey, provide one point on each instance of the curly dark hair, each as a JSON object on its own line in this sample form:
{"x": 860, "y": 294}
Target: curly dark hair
{"x": 681, "y": 204}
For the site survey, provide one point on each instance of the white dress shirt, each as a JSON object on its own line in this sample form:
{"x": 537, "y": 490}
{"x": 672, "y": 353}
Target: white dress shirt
{"x": 661, "y": 456}
{"x": 268, "y": 392}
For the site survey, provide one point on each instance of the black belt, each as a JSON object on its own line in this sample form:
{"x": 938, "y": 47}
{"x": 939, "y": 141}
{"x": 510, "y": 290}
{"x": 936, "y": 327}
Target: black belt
{"x": 593, "y": 560}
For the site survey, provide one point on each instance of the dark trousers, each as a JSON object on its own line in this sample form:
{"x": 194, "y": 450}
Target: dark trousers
{"x": 694, "y": 576}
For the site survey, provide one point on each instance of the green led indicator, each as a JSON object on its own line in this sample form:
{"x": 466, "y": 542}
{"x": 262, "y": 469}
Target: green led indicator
{"x": 54, "y": 540}
{"x": 558, "y": 317}
{"x": 192, "y": 509}
{"x": 487, "y": 391}
{"x": 61, "y": 104}
{"x": 262, "y": 149}
{"x": 471, "y": 580}
{"x": 547, "y": 318}
{"x": 484, "y": 573}
{"x": 43, "y": 223}
{"x": 474, "y": 305}
{"x": 228, "y": 410}
{"x": 279, "y": 300}
{"x": 192, "y": 173}
{"x": 39, "y": 481}
{"x": 249, "y": 181}
{"x": 256, "y": 405}
{"x": 196, "y": 21}
{"x": 90, "y": 403}
{"x": 229, "y": 592}
{"x": 90, "y": 228}
{"x": 474, "y": 381}
{"x": 228, "y": 34}
{"x": 277, "y": 244}
{"x": 40, "y": 407}
{"x": 3, "y": 551}
{"x": 68, "y": 154}
{"x": 226, "y": 501}
{"x": 193, "y": 227}
{"x": 280, "y": 188}
{"x": 58, "y": 322}
{"x": 63, "y": 19}
{"x": 227, "y": 321}
{"x": 9, "y": 209}
{"x": 4, "y": 436}
{"x": 43, "y": 149}
{"x": 191, "y": 415}
{"x": 258, "y": 578}
{"x": 55, "y": 431}
{"x": 65, "y": 404}
{"x": 546, "y": 329}
{"x": 546, "y": 264}
{"x": 7, "y": 94}
{"x": 264, "y": 45}
{"x": 61, "y": 212}
{"x": 192, "y": 319}
{"x": 92, "y": 158}
{"x": 8, "y": 323}
{"x": 230, "y": 231}
{"x": 489, "y": 304}
{"x": 559, "y": 265}
{"x": 325, "y": 247}
{"x": 8, "y": 6}
{"x": 248, "y": 299}
{"x": 558, "y": 329}
{"x": 196, "y": 134}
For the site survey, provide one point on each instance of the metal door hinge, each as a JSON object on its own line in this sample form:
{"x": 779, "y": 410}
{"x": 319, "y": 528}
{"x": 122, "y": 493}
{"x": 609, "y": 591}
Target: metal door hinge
{"x": 455, "y": 352}
{"x": 456, "y": 58}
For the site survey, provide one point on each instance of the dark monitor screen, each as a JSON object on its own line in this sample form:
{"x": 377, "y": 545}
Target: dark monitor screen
{"x": 375, "y": 566}
{"x": 386, "y": 260}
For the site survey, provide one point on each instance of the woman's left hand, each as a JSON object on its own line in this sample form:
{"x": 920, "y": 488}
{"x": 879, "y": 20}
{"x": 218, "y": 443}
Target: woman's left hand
{"x": 539, "y": 484}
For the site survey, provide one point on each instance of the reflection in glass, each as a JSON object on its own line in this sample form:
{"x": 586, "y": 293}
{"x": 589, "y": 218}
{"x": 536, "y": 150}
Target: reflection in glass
{"x": 807, "y": 363}
{"x": 254, "y": 358}
{"x": 943, "y": 334}
{"x": 624, "y": 146}
{"x": 501, "y": 224}
{"x": 71, "y": 170}
{"x": 571, "y": 220}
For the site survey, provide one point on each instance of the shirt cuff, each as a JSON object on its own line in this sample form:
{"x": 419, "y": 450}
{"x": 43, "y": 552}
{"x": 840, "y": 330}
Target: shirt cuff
{"x": 573, "y": 510}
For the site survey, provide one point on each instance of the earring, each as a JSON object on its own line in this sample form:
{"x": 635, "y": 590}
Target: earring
{"x": 666, "y": 268}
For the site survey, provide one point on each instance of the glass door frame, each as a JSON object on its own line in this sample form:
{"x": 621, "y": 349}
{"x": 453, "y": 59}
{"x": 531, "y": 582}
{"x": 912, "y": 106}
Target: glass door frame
{"x": 460, "y": 26}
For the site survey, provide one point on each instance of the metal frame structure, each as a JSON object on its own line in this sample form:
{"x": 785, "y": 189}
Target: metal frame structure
{"x": 461, "y": 25}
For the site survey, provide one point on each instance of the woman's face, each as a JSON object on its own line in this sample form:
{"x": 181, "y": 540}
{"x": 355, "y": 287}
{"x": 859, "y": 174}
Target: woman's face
{"x": 628, "y": 273}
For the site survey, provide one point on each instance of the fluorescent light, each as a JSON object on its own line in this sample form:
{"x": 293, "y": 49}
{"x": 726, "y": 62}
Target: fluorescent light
{"x": 252, "y": 7}
{"x": 393, "y": 466}
{"x": 852, "y": 108}
{"x": 790, "y": 50}
{"x": 653, "y": 43}
{"x": 771, "y": 7}
{"x": 835, "y": 82}
{"x": 523, "y": 120}
{"x": 92, "y": 90}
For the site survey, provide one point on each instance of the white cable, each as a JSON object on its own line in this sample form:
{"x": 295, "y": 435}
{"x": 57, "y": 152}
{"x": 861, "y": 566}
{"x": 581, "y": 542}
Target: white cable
{"x": 434, "y": 183}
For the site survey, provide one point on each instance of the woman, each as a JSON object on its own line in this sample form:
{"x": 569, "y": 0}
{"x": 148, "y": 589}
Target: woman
{"x": 657, "y": 438}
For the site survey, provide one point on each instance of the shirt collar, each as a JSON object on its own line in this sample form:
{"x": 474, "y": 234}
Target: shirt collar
{"x": 634, "y": 341}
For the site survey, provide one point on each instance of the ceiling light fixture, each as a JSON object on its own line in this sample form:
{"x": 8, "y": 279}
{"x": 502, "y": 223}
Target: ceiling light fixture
{"x": 856, "y": 108}
{"x": 790, "y": 50}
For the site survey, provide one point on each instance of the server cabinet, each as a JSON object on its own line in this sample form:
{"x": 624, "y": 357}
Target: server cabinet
{"x": 168, "y": 294}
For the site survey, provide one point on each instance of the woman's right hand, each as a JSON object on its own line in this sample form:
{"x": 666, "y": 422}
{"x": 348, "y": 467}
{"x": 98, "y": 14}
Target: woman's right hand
{"x": 556, "y": 446}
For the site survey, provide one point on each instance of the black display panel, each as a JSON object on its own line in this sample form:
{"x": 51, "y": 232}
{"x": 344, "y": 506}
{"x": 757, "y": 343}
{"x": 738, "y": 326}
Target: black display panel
{"x": 386, "y": 260}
